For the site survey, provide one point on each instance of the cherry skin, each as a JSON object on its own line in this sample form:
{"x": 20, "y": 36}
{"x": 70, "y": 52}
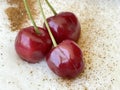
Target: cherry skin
{"x": 66, "y": 59}
{"x": 63, "y": 26}
{"x": 32, "y": 47}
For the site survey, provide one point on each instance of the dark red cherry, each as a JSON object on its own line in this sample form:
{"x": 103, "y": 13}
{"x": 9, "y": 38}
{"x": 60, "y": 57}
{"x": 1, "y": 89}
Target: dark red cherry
{"x": 32, "y": 47}
{"x": 66, "y": 59}
{"x": 63, "y": 26}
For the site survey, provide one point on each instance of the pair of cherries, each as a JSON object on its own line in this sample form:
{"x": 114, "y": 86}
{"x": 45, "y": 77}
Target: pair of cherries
{"x": 34, "y": 43}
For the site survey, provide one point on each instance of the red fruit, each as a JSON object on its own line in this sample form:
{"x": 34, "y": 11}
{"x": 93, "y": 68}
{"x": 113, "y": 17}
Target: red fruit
{"x": 63, "y": 26}
{"x": 32, "y": 47}
{"x": 66, "y": 59}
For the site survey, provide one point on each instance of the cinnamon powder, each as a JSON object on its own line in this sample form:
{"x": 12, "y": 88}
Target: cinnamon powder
{"x": 17, "y": 14}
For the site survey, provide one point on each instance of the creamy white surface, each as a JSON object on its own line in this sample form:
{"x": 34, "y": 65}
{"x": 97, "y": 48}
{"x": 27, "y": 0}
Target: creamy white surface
{"x": 100, "y": 23}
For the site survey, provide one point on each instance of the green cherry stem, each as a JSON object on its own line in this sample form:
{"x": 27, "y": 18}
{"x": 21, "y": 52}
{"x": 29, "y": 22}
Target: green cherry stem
{"x": 50, "y": 6}
{"x": 48, "y": 28}
{"x": 30, "y": 16}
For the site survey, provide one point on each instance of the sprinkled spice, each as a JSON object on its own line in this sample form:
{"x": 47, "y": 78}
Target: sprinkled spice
{"x": 17, "y": 14}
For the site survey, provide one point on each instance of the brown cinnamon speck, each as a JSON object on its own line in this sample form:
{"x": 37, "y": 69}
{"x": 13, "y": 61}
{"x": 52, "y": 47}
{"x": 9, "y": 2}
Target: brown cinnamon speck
{"x": 17, "y": 14}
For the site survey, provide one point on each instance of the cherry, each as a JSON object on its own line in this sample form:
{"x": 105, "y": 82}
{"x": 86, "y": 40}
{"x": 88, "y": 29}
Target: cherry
{"x": 66, "y": 59}
{"x": 64, "y": 25}
{"x": 32, "y": 43}
{"x": 32, "y": 47}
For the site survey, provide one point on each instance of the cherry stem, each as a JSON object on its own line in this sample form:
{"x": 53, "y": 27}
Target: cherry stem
{"x": 50, "y": 6}
{"x": 30, "y": 16}
{"x": 48, "y": 28}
